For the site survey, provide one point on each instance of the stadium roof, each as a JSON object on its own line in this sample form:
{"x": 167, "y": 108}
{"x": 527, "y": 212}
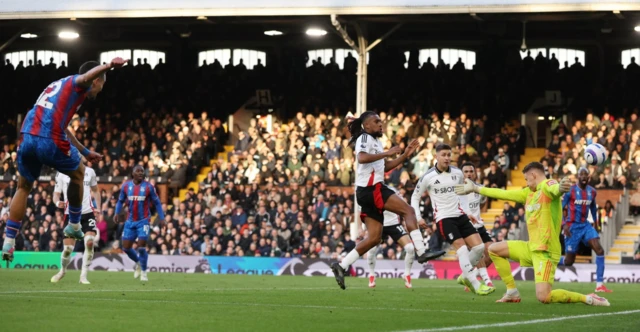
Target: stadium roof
{"x": 20, "y": 9}
{"x": 575, "y": 26}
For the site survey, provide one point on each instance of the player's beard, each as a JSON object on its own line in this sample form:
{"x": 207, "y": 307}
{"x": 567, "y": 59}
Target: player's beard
{"x": 377, "y": 134}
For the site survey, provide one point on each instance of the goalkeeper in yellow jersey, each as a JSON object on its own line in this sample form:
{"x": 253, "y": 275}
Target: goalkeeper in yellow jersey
{"x": 542, "y": 199}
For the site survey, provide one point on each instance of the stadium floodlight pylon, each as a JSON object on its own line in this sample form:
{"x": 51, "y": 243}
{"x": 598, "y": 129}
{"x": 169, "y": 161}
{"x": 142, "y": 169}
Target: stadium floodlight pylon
{"x": 361, "y": 48}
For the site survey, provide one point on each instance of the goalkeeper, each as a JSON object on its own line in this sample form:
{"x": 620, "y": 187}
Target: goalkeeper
{"x": 542, "y": 199}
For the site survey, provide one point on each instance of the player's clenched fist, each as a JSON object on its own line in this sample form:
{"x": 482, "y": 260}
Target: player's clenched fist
{"x": 118, "y": 62}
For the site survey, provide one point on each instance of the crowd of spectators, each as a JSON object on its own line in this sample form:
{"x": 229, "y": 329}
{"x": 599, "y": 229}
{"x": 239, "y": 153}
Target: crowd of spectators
{"x": 286, "y": 191}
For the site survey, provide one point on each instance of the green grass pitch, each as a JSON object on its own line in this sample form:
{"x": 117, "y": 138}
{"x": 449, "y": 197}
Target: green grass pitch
{"x": 200, "y": 302}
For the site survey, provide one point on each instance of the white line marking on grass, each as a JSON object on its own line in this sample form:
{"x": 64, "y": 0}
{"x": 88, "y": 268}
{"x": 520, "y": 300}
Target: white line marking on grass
{"x": 525, "y": 322}
{"x": 45, "y": 291}
{"x": 218, "y": 289}
{"x": 305, "y": 306}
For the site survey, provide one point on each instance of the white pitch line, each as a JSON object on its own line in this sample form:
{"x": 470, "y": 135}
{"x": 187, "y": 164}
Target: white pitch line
{"x": 526, "y": 322}
{"x": 85, "y": 291}
{"x": 219, "y": 289}
{"x": 266, "y": 305}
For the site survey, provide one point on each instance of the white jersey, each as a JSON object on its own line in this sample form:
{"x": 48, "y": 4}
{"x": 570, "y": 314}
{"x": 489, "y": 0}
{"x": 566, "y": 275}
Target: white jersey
{"x": 390, "y": 219}
{"x": 475, "y": 201}
{"x": 62, "y": 185}
{"x": 445, "y": 202}
{"x": 370, "y": 173}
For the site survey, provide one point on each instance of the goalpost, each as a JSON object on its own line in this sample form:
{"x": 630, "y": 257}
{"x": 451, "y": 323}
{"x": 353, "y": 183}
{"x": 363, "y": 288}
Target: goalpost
{"x": 361, "y": 48}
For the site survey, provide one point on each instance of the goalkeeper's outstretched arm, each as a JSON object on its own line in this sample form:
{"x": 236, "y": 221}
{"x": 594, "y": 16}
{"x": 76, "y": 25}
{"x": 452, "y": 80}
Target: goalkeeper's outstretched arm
{"x": 519, "y": 196}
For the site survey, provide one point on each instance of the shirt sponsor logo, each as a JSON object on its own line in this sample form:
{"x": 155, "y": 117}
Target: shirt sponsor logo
{"x": 533, "y": 207}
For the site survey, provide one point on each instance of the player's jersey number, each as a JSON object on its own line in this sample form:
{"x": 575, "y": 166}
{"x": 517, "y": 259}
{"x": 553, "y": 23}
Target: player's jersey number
{"x": 50, "y": 91}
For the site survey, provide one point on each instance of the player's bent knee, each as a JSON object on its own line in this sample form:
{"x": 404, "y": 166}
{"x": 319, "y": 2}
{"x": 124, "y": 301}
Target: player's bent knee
{"x": 543, "y": 297}
{"x": 410, "y": 249}
{"x": 67, "y": 250}
{"x": 88, "y": 241}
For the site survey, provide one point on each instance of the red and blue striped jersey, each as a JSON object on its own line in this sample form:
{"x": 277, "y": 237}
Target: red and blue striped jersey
{"x": 139, "y": 198}
{"x": 578, "y": 203}
{"x": 54, "y": 109}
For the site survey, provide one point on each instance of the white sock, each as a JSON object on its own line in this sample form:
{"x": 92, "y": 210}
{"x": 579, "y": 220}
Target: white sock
{"x": 484, "y": 275}
{"x": 408, "y": 258}
{"x": 86, "y": 260}
{"x": 475, "y": 255}
{"x": 371, "y": 257}
{"x": 474, "y": 273}
{"x": 598, "y": 284}
{"x": 418, "y": 241}
{"x": 65, "y": 257}
{"x": 12, "y": 242}
{"x": 349, "y": 259}
{"x": 466, "y": 266}
{"x": 75, "y": 226}
{"x": 513, "y": 291}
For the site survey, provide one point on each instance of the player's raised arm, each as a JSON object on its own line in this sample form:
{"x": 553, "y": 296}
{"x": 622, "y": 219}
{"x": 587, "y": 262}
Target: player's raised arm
{"x": 555, "y": 189}
{"x": 156, "y": 201}
{"x": 408, "y": 152}
{"x": 86, "y": 79}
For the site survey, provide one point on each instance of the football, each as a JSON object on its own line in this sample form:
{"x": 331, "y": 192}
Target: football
{"x": 595, "y": 154}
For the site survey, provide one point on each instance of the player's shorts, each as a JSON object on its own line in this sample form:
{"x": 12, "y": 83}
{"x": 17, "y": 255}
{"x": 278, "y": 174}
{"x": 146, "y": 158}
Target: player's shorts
{"x": 87, "y": 222}
{"x": 136, "y": 230}
{"x": 544, "y": 263}
{"x": 451, "y": 229}
{"x": 35, "y": 151}
{"x": 395, "y": 232}
{"x": 371, "y": 200}
{"x": 580, "y": 232}
{"x": 484, "y": 235}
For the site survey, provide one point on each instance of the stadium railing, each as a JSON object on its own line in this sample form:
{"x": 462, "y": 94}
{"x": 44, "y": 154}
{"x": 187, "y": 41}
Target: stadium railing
{"x": 611, "y": 229}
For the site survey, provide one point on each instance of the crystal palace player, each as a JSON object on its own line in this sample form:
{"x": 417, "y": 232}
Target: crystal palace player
{"x": 393, "y": 228}
{"x": 46, "y": 140}
{"x": 373, "y": 196}
{"x": 579, "y": 201}
{"x": 542, "y": 252}
{"x": 140, "y": 194}
{"x": 475, "y": 202}
{"x": 452, "y": 218}
{"x": 87, "y": 221}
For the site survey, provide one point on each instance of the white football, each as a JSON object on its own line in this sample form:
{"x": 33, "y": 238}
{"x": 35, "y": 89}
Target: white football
{"x": 595, "y": 154}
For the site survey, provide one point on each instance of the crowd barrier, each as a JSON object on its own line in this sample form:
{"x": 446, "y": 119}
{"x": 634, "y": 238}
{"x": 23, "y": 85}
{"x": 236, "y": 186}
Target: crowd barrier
{"x": 629, "y": 273}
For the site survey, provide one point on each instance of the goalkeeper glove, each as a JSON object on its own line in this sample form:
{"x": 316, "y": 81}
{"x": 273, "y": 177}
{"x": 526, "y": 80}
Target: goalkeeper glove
{"x": 565, "y": 185}
{"x": 466, "y": 188}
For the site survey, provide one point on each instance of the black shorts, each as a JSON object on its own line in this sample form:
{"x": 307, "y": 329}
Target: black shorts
{"x": 451, "y": 229}
{"x": 371, "y": 200}
{"x": 87, "y": 222}
{"x": 395, "y": 232}
{"x": 484, "y": 235}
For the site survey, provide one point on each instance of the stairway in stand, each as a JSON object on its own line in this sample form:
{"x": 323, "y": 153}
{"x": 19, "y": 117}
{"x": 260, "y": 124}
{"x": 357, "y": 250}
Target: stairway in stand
{"x": 203, "y": 173}
{"x": 625, "y": 243}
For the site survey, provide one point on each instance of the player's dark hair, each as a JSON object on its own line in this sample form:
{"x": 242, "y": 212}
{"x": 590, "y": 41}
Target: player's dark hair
{"x": 87, "y": 66}
{"x": 355, "y": 127}
{"x": 468, "y": 163}
{"x": 533, "y": 165}
{"x": 443, "y": 146}
{"x": 136, "y": 167}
